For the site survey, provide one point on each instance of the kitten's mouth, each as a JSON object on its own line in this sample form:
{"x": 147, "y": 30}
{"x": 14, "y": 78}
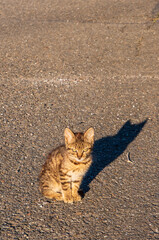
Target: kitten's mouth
{"x": 78, "y": 159}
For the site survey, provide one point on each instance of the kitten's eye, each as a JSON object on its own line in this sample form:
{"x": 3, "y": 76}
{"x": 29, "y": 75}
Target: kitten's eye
{"x": 71, "y": 149}
{"x": 86, "y": 149}
{"x": 74, "y": 150}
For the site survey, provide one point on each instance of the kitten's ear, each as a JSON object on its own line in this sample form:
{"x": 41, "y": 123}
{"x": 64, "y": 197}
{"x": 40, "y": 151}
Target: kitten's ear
{"x": 69, "y": 136}
{"x": 89, "y": 136}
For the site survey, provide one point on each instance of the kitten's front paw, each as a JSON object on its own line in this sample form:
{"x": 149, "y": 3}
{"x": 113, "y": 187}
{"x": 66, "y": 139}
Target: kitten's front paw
{"x": 68, "y": 199}
{"x": 77, "y": 198}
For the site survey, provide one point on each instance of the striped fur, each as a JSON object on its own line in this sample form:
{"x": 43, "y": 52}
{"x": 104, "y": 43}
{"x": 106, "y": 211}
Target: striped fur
{"x": 66, "y": 166}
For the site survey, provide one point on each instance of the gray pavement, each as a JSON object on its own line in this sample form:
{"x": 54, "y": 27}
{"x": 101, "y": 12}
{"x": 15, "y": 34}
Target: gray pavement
{"x": 79, "y": 64}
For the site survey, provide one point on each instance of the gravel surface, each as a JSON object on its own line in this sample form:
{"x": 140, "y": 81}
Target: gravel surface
{"x": 79, "y": 64}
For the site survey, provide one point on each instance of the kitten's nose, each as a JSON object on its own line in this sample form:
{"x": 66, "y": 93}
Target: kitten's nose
{"x": 79, "y": 155}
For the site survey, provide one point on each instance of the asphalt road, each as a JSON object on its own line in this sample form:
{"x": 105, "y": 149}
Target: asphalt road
{"x": 79, "y": 64}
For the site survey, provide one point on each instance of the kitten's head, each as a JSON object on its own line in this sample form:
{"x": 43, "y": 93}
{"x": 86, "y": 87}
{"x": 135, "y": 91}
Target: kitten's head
{"x": 79, "y": 145}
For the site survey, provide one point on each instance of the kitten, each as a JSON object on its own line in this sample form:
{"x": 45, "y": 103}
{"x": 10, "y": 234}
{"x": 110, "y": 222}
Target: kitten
{"x": 66, "y": 166}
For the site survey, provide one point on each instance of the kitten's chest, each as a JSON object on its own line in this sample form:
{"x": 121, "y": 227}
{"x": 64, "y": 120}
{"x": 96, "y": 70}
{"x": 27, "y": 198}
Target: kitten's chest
{"x": 76, "y": 174}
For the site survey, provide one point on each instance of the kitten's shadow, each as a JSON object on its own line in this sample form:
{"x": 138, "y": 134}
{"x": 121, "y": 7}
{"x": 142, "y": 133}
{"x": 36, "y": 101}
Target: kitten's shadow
{"x": 107, "y": 149}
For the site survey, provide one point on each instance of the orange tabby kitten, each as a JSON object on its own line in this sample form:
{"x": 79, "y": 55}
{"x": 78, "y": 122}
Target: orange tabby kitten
{"x": 66, "y": 166}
